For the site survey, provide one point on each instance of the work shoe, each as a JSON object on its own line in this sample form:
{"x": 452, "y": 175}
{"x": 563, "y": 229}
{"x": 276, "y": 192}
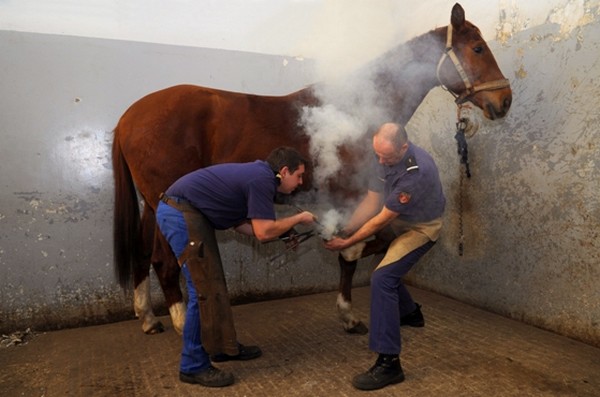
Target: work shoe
{"x": 414, "y": 319}
{"x": 210, "y": 377}
{"x": 386, "y": 371}
{"x": 246, "y": 353}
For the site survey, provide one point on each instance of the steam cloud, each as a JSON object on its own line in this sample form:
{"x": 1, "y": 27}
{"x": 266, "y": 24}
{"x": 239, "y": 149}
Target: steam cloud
{"x": 347, "y": 37}
{"x": 349, "y": 114}
{"x": 329, "y": 128}
{"x": 346, "y": 118}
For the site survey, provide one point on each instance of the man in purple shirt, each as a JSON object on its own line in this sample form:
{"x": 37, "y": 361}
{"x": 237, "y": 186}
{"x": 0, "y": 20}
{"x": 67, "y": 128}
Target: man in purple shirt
{"x": 223, "y": 196}
{"x": 405, "y": 194}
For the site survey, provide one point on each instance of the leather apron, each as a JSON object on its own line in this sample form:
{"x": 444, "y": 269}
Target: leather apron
{"x": 410, "y": 236}
{"x": 204, "y": 263}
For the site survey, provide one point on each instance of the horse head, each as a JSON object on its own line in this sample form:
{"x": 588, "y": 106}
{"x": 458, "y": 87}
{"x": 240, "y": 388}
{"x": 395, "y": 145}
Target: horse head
{"x": 468, "y": 69}
{"x": 455, "y": 57}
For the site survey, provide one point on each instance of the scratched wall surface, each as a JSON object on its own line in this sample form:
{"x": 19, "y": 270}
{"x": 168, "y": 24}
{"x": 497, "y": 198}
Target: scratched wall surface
{"x": 530, "y": 213}
{"x": 62, "y": 96}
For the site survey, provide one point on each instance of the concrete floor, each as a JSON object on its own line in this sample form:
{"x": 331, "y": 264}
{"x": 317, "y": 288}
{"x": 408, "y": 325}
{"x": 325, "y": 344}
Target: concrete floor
{"x": 462, "y": 351}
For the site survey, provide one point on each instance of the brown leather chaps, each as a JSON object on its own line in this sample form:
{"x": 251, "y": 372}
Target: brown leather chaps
{"x": 204, "y": 263}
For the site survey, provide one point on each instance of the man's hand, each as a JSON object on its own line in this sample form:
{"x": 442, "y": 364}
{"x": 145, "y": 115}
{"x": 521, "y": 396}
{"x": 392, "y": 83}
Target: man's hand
{"x": 307, "y": 218}
{"x": 336, "y": 244}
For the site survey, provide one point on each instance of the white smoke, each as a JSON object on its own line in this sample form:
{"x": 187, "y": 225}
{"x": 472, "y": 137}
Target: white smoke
{"x": 348, "y": 113}
{"x": 330, "y": 128}
{"x": 331, "y": 221}
{"x": 347, "y": 117}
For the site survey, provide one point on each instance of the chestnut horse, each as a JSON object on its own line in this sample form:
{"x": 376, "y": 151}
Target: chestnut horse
{"x": 174, "y": 131}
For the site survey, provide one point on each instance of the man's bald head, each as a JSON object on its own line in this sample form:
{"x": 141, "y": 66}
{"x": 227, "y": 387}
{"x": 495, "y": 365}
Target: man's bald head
{"x": 390, "y": 142}
{"x": 393, "y": 133}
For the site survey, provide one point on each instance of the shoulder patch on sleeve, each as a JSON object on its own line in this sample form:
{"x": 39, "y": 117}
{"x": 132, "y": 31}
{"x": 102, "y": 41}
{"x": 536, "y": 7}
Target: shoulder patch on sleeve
{"x": 404, "y": 198}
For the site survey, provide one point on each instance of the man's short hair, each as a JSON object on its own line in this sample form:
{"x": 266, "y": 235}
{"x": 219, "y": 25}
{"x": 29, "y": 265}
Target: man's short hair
{"x": 285, "y": 156}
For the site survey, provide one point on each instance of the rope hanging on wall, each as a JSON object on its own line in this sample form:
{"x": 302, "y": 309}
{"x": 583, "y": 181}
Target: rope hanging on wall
{"x": 463, "y": 152}
{"x": 461, "y": 143}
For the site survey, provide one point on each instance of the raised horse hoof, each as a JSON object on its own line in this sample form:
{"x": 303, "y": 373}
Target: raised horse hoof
{"x": 157, "y": 328}
{"x": 359, "y": 329}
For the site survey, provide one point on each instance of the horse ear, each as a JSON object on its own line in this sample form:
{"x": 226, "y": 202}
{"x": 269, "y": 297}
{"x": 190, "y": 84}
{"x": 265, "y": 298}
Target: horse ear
{"x": 458, "y": 17}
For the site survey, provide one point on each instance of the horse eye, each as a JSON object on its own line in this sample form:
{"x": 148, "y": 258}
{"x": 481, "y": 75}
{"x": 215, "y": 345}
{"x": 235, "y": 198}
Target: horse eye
{"x": 478, "y": 50}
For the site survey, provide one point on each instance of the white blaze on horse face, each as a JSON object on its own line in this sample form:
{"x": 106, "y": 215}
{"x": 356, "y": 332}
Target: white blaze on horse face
{"x": 143, "y": 306}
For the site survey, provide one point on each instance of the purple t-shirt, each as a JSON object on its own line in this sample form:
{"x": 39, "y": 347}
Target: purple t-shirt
{"x": 228, "y": 194}
{"x": 412, "y": 187}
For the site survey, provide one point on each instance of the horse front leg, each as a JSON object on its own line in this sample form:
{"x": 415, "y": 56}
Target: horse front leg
{"x": 168, "y": 271}
{"x": 142, "y": 303}
{"x": 351, "y": 323}
{"x": 348, "y": 261}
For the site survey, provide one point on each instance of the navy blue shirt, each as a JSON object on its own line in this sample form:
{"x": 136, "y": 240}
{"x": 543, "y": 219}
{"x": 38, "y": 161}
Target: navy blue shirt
{"x": 412, "y": 187}
{"x": 229, "y": 194}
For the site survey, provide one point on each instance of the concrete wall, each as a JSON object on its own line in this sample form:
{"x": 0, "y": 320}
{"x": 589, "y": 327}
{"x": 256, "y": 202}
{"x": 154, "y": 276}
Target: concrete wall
{"x": 62, "y": 96}
{"x": 529, "y": 213}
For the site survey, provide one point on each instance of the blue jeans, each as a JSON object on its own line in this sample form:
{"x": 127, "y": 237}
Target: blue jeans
{"x": 390, "y": 300}
{"x": 193, "y": 356}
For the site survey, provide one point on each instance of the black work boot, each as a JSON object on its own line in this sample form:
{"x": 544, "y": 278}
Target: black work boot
{"x": 386, "y": 371}
{"x": 210, "y": 377}
{"x": 414, "y": 319}
{"x": 246, "y": 353}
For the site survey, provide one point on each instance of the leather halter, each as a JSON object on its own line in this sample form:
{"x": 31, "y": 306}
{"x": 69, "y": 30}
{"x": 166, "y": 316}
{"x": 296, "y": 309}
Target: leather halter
{"x": 469, "y": 88}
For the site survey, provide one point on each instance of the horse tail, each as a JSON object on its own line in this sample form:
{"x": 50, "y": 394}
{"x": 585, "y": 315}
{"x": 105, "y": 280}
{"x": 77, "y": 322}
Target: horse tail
{"x": 126, "y": 223}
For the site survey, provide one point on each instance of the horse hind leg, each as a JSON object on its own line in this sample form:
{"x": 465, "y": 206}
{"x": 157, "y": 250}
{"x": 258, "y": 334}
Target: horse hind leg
{"x": 143, "y": 308}
{"x": 168, "y": 271}
{"x": 177, "y": 311}
{"x": 142, "y": 303}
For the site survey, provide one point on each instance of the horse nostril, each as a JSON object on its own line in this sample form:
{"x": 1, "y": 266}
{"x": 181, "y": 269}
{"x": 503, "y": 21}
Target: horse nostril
{"x": 492, "y": 112}
{"x": 506, "y": 104}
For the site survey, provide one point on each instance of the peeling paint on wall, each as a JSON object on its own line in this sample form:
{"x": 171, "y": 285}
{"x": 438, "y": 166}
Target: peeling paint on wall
{"x": 531, "y": 217}
{"x": 570, "y": 16}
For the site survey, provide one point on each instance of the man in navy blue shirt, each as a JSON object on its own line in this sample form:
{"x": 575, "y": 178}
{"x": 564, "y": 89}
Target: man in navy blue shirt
{"x": 405, "y": 194}
{"x": 223, "y": 196}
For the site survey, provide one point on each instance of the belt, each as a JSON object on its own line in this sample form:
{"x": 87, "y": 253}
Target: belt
{"x": 177, "y": 203}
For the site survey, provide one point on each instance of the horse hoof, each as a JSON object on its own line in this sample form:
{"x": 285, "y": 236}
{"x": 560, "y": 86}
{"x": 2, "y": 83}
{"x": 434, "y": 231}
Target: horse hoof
{"x": 156, "y": 329}
{"x": 359, "y": 329}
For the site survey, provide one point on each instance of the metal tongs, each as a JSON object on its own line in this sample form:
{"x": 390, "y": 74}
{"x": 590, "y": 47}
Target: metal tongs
{"x": 299, "y": 237}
